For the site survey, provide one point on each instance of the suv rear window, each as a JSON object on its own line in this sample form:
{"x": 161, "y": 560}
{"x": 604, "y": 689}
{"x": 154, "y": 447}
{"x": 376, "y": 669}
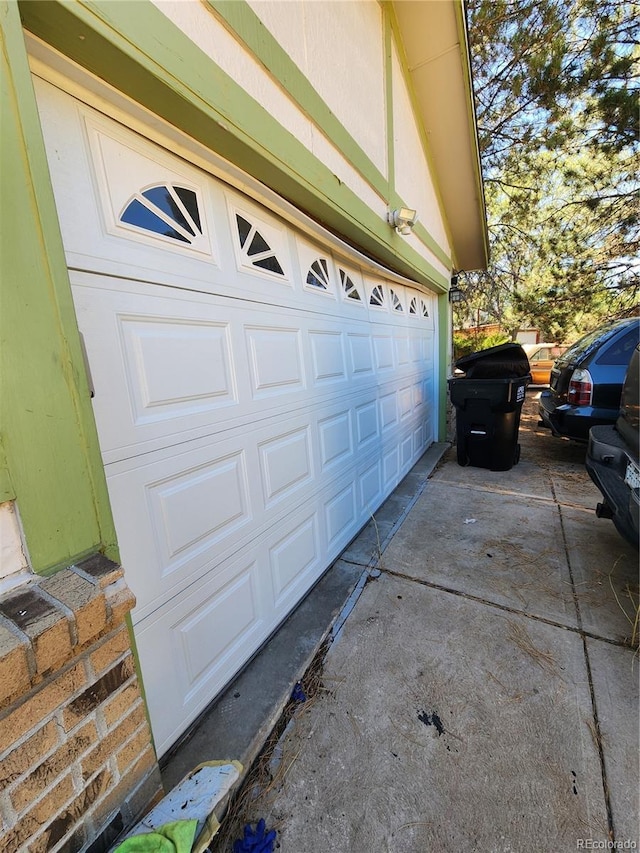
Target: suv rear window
{"x": 620, "y": 352}
{"x": 584, "y": 344}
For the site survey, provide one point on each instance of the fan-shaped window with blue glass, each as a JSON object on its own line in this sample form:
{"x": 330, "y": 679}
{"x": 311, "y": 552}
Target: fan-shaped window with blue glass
{"x": 395, "y": 301}
{"x": 318, "y": 275}
{"x": 257, "y": 252}
{"x": 165, "y": 210}
{"x": 348, "y": 287}
{"x": 377, "y": 297}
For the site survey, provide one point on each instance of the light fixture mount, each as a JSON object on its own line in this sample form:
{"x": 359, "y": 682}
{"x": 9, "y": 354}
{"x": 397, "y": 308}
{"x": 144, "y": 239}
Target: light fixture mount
{"x": 402, "y": 219}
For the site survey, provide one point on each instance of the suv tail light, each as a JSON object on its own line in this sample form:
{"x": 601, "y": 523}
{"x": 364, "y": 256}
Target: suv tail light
{"x": 580, "y": 388}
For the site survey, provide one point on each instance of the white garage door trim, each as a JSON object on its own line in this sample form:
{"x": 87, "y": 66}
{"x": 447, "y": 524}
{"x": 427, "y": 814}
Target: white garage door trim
{"x": 257, "y": 396}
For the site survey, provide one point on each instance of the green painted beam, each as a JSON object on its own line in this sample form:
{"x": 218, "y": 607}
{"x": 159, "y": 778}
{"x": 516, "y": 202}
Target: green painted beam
{"x": 247, "y": 27}
{"x": 7, "y": 492}
{"x": 48, "y": 433}
{"x": 419, "y": 229}
{"x": 443, "y": 363}
{"x": 135, "y": 48}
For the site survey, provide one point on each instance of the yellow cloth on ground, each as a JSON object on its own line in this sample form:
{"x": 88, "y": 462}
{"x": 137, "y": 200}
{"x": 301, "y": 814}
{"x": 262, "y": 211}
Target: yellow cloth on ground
{"x": 176, "y": 837}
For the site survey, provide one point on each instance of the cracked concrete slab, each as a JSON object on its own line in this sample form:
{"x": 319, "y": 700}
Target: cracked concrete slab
{"x": 444, "y": 725}
{"x": 605, "y": 574}
{"x": 467, "y": 703}
{"x": 526, "y": 478}
{"x": 510, "y": 551}
{"x": 615, "y": 684}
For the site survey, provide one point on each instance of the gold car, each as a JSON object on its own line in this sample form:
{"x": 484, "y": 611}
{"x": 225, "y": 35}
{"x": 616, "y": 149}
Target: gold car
{"x": 541, "y": 358}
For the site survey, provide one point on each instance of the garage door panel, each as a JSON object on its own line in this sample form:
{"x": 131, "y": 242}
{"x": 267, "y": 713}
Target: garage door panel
{"x": 189, "y": 647}
{"x": 230, "y": 371}
{"x": 328, "y": 357}
{"x": 383, "y": 348}
{"x": 276, "y": 360}
{"x": 285, "y": 464}
{"x": 341, "y": 515}
{"x": 370, "y": 484}
{"x": 388, "y": 410}
{"x": 366, "y": 419}
{"x": 335, "y": 440}
{"x": 295, "y": 561}
{"x": 360, "y": 351}
{"x": 175, "y": 369}
{"x": 178, "y": 514}
{"x": 256, "y": 396}
{"x": 198, "y": 507}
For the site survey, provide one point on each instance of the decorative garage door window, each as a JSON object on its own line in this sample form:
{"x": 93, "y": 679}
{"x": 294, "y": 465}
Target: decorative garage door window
{"x": 425, "y": 310}
{"x": 396, "y": 303}
{"x": 318, "y": 275}
{"x": 377, "y": 297}
{"x": 348, "y": 287}
{"x": 413, "y": 305}
{"x": 166, "y": 210}
{"x": 256, "y": 250}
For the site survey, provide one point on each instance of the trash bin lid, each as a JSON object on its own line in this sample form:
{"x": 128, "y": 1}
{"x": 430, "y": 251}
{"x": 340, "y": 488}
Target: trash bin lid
{"x": 502, "y": 362}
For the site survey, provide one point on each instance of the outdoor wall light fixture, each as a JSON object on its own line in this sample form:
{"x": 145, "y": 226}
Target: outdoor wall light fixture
{"x": 455, "y": 294}
{"x": 403, "y": 219}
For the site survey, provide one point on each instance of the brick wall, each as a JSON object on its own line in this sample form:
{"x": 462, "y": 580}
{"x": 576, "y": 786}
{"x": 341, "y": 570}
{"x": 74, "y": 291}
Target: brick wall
{"x": 76, "y": 760}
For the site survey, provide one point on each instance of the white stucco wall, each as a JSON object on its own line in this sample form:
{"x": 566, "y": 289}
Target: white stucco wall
{"x": 339, "y": 48}
{"x": 13, "y": 560}
{"x": 413, "y": 179}
{"x": 201, "y": 26}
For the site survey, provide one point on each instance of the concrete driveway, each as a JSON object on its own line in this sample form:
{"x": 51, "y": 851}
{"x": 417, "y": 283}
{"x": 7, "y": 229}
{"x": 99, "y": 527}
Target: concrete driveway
{"x": 483, "y": 693}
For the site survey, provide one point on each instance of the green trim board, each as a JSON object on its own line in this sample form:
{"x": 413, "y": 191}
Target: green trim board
{"x": 48, "y": 431}
{"x": 246, "y": 26}
{"x": 419, "y": 229}
{"x": 468, "y": 78}
{"x": 7, "y": 492}
{"x": 388, "y": 99}
{"x": 135, "y": 48}
{"x": 444, "y": 320}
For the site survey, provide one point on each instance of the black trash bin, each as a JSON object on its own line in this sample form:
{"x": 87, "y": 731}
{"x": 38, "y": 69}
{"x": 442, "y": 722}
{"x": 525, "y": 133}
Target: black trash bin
{"x": 488, "y": 397}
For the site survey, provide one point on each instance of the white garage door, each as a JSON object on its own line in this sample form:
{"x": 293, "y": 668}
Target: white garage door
{"x": 257, "y": 396}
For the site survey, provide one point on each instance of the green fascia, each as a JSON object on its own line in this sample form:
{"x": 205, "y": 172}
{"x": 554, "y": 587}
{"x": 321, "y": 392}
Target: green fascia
{"x": 136, "y": 49}
{"x": 419, "y": 230}
{"x": 463, "y": 36}
{"x": 136, "y": 662}
{"x": 443, "y": 363}
{"x": 7, "y": 492}
{"x": 52, "y": 463}
{"x": 246, "y": 26}
{"x": 240, "y": 19}
{"x": 388, "y": 102}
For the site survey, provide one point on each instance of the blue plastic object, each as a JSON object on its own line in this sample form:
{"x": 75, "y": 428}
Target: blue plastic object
{"x": 256, "y": 840}
{"x": 298, "y": 694}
